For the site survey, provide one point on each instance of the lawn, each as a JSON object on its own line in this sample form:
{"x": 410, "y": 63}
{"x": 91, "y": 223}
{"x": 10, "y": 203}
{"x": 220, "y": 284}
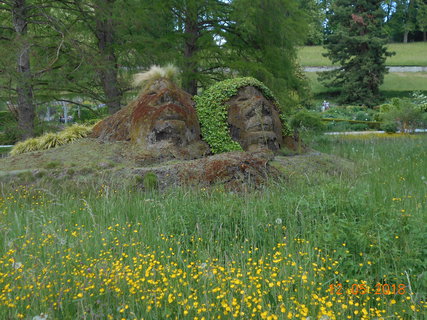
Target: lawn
{"x": 396, "y": 81}
{"x": 350, "y": 246}
{"x": 410, "y": 54}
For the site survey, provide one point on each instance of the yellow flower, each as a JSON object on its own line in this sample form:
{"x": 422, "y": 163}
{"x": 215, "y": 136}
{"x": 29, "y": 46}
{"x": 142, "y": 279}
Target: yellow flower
{"x": 282, "y": 308}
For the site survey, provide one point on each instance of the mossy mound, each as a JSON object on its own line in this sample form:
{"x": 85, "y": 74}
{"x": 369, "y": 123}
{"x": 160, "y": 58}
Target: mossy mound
{"x": 213, "y": 111}
{"x": 89, "y": 163}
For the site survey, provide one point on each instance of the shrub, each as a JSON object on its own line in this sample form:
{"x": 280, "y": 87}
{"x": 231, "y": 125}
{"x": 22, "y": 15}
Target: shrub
{"x": 51, "y": 140}
{"x": 390, "y": 127}
{"x": 359, "y": 127}
{"x": 306, "y": 120}
{"x": 75, "y": 132}
{"x": 363, "y": 116}
{"x": 405, "y": 113}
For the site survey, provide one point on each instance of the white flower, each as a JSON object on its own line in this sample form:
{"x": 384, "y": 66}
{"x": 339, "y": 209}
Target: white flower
{"x": 279, "y": 221}
{"x": 42, "y": 316}
{"x": 17, "y": 265}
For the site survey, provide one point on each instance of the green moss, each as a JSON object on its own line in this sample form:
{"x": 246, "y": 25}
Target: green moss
{"x": 212, "y": 112}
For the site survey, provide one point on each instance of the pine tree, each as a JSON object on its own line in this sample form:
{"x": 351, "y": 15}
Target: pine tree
{"x": 357, "y": 43}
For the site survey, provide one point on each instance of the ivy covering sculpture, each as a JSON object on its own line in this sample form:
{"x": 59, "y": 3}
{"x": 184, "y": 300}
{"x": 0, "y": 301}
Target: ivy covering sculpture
{"x": 240, "y": 114}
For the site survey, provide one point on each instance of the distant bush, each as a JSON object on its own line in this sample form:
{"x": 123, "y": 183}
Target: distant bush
{"x": 359, "y": 127}
{"x": 306, "y": 120}
{"x": 350, "y": 112}
{"x": 390, "y": 127}
{"x": 407, "y": 114}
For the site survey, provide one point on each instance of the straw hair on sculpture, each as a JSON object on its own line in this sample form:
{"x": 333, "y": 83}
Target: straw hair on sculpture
{"x": 169, "y": 72}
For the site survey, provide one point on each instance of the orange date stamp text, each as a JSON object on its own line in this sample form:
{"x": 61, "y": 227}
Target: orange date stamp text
{"x": 362, "y": 289}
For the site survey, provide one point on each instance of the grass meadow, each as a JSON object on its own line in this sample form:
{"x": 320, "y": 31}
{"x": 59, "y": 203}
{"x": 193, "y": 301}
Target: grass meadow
{"x": 407, "y": 54}
{"x": 323, "y": 247}
{"x": 393, "y": 82}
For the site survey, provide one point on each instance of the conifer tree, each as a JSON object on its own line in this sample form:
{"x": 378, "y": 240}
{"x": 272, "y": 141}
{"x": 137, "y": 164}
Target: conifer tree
{"x": 357, "y": 43}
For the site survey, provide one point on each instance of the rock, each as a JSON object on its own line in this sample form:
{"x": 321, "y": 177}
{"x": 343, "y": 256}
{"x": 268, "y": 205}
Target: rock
{"x": 254, "y": 120}
{"x": 161, "y": 123}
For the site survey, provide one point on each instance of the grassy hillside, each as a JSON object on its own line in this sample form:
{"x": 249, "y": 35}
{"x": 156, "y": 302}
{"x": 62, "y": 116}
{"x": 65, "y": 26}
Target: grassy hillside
{"x": 399, "y": 81}
{"x": 410, "y": 54}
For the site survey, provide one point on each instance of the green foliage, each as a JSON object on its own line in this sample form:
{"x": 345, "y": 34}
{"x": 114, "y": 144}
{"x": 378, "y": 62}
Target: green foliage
{"x": 264, "y": 46}
{"x": 306, "y": 120}
{"x": 405, "y": 113}
{"x": 420, "y": 100}
{"x": 5, "y": 117}
{"x": 350, "y": 112}
{"x": 390, "y": 127}
{"x": 212, "y": 112}
{"x": 52, "y": 140}
{"x": 9, "y": 131}
{"x": 357, "y": 43}
{"x": 87, "y": 115}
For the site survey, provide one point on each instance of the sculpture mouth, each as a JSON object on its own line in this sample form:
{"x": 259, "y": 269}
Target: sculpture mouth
{"x": 168, "y": 130}
{"x": 263, "y": 138}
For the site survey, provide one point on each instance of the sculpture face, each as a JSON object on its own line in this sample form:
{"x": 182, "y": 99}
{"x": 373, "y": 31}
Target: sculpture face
{"x": 160, "y": 123}
{"x": 254, "y": 121}
{"x": 165, "y": 122}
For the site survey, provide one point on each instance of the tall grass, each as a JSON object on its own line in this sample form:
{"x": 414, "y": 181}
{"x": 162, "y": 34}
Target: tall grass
{"x": 267, "y": 254}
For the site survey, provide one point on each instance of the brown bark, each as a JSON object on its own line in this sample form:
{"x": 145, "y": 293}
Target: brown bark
{"x": 24, "y": 89}
{"x": 109, "y": 67}
{"x": 190, "y": 49}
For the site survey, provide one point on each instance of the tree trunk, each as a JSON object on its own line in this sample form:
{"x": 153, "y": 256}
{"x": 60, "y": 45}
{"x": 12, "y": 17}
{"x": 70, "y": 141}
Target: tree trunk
{"x": 191, "y": 35}
{"x": 425, "y": 36}
{"x": 109, "y": 68}
{"x": 405, "y": 37}
{"x": 24, "y": 89}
